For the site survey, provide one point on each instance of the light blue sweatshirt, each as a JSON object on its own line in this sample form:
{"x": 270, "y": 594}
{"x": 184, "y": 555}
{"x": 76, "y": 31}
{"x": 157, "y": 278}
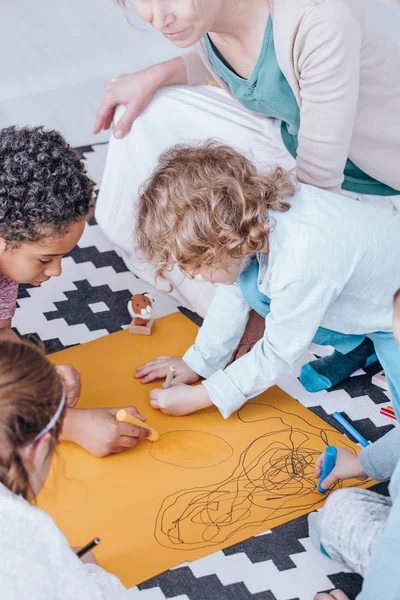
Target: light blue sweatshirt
{"x": 381, "y": 461}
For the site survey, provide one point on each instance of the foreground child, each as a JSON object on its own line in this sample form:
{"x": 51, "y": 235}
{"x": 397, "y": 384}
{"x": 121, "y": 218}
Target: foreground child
{"x": 360, "y": 528}
{"x": 290, "y": 255}
{"x": 45, "y": 197}
{"x": 36, "y": 561}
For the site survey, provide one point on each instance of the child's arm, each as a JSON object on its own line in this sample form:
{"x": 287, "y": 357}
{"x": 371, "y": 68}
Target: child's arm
{"x": 297, "y": 309}
{"x": 216, "y": 341}
{"x": 378, "y": 461}
{"x": 220, "y": 333}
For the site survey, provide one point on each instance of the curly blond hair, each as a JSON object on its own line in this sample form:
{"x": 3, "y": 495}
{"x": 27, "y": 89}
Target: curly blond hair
{"x": 205, "y": 205}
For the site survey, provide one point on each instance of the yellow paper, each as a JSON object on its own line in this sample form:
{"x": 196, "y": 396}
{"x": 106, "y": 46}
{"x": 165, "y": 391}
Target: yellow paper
{"x": 205, "y": 485}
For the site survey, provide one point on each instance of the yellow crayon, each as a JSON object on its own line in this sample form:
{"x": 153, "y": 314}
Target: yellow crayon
{"x": 126, "y": 417}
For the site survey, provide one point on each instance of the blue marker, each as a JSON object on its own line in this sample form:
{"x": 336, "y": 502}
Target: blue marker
{"x": 350, "y": 429}
{"x": 327, "y": 466}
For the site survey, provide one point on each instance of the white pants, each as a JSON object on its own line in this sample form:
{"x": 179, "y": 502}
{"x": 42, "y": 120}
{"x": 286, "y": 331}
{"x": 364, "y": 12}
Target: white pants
{"x": 179, "y": 114}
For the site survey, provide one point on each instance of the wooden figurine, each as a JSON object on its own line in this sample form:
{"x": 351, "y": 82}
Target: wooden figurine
{"x": 140, "y": 307}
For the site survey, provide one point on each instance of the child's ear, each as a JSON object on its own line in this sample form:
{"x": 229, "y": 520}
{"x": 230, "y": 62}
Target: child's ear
{"x": 3, "y": 245}
{"x": 34, "y": 455}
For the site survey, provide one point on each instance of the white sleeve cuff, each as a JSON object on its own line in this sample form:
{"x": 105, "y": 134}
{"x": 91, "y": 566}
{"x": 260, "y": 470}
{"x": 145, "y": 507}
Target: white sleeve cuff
{"x": 194, "y": 360}
{"x": 223, "y": 393}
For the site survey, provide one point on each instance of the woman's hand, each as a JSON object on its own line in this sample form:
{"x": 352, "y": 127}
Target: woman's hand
{"x": 71, "y": 380}
{"x": 180, "y": 400}
{"x": 135, "y": 91}
{"x": 159, "y": 367}
{"x": 98, "y": 431}
{"x": 333, "y": 595}
{"x": 347, "y": 466}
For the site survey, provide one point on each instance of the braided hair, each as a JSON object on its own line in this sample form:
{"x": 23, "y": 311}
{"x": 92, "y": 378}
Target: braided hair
{"x": 30, "y": 393}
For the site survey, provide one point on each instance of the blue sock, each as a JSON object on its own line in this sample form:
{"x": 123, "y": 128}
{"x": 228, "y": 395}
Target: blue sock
{"x": 326, "y": 372}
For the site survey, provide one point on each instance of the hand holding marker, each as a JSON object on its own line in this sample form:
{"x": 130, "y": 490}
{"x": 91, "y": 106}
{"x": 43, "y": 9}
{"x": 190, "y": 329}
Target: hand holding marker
{"x": 327, "y": 466}
{"x": 124, "y": 416}
{"x": 331, "y": 452}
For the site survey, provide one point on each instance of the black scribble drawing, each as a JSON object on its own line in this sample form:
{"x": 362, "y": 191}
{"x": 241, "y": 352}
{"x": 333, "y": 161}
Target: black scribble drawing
{"x": 273, "y": 479}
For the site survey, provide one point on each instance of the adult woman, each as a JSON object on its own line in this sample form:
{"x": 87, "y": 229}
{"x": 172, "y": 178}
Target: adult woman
{"x": 326, "y": 72}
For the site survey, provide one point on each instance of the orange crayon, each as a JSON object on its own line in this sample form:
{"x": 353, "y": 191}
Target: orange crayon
{"x": 123, "y": 415}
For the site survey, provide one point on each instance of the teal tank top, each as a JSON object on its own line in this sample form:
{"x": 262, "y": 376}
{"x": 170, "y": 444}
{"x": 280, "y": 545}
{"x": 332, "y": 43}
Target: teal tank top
{"x": 267, "y": 92}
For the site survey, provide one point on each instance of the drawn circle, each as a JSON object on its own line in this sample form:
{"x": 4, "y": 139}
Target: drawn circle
{"x": 191, "y": 449}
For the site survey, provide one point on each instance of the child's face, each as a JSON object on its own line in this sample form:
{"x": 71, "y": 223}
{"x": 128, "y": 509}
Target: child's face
{"x": 221, "y": 275}
{"x": 37, "y": 262}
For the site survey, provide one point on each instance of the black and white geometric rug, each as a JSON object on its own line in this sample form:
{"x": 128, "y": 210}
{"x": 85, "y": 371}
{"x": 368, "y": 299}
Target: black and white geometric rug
{"x": 88, "y": 301}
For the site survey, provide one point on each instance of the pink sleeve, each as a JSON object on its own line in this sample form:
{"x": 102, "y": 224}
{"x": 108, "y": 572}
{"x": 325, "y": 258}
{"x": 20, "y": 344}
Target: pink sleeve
{"x": 8, "y": 298}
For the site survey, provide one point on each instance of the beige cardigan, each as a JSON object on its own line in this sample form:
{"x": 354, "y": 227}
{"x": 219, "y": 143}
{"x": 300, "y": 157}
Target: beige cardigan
{"x": 344, "y": 69}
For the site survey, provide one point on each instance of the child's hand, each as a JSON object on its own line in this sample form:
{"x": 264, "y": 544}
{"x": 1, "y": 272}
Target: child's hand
{"x": 180, "y": 399}
{"x": 89, "y": 557}
{"x": 333, "y": 595}
{"x": 347, "y": 466}
{"x": 159, "y": 367}
{"x": 71, "y": 380}
{"x": 98, "y": 431}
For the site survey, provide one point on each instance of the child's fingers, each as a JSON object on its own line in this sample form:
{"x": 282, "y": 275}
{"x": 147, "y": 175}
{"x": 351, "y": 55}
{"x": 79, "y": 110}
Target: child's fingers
{"x": 143, "y": 371}
{"x": 155, "y": 374}
{"x": 130, "y": 409}
{"x": 318, "y": 466}
{"x": 154, "y": 398}
{"x": 154, "y": 394}
{"x": 334, "y": 595}
{"x": 133, "y": 431}
{"x": 153, "y": 362}
{"x": 329, "y": 481}
{"x": 134, "y": 411}
{"x": 125, "y": 442}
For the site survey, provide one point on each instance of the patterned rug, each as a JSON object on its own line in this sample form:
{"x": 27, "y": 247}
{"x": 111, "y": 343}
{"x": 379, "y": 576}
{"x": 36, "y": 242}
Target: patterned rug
{"x": 88, "y": 301}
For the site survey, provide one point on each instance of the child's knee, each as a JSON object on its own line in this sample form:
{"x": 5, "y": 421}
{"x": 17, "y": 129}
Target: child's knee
{"x": 337, "y": 507}
{"x": 339, "y": 500}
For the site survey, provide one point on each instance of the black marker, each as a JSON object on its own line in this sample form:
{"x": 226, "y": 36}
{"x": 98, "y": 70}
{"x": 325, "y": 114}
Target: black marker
{"x": 88, "y": 547}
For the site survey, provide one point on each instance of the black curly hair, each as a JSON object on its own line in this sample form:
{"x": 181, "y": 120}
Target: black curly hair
{"x": 43, "y": 185}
